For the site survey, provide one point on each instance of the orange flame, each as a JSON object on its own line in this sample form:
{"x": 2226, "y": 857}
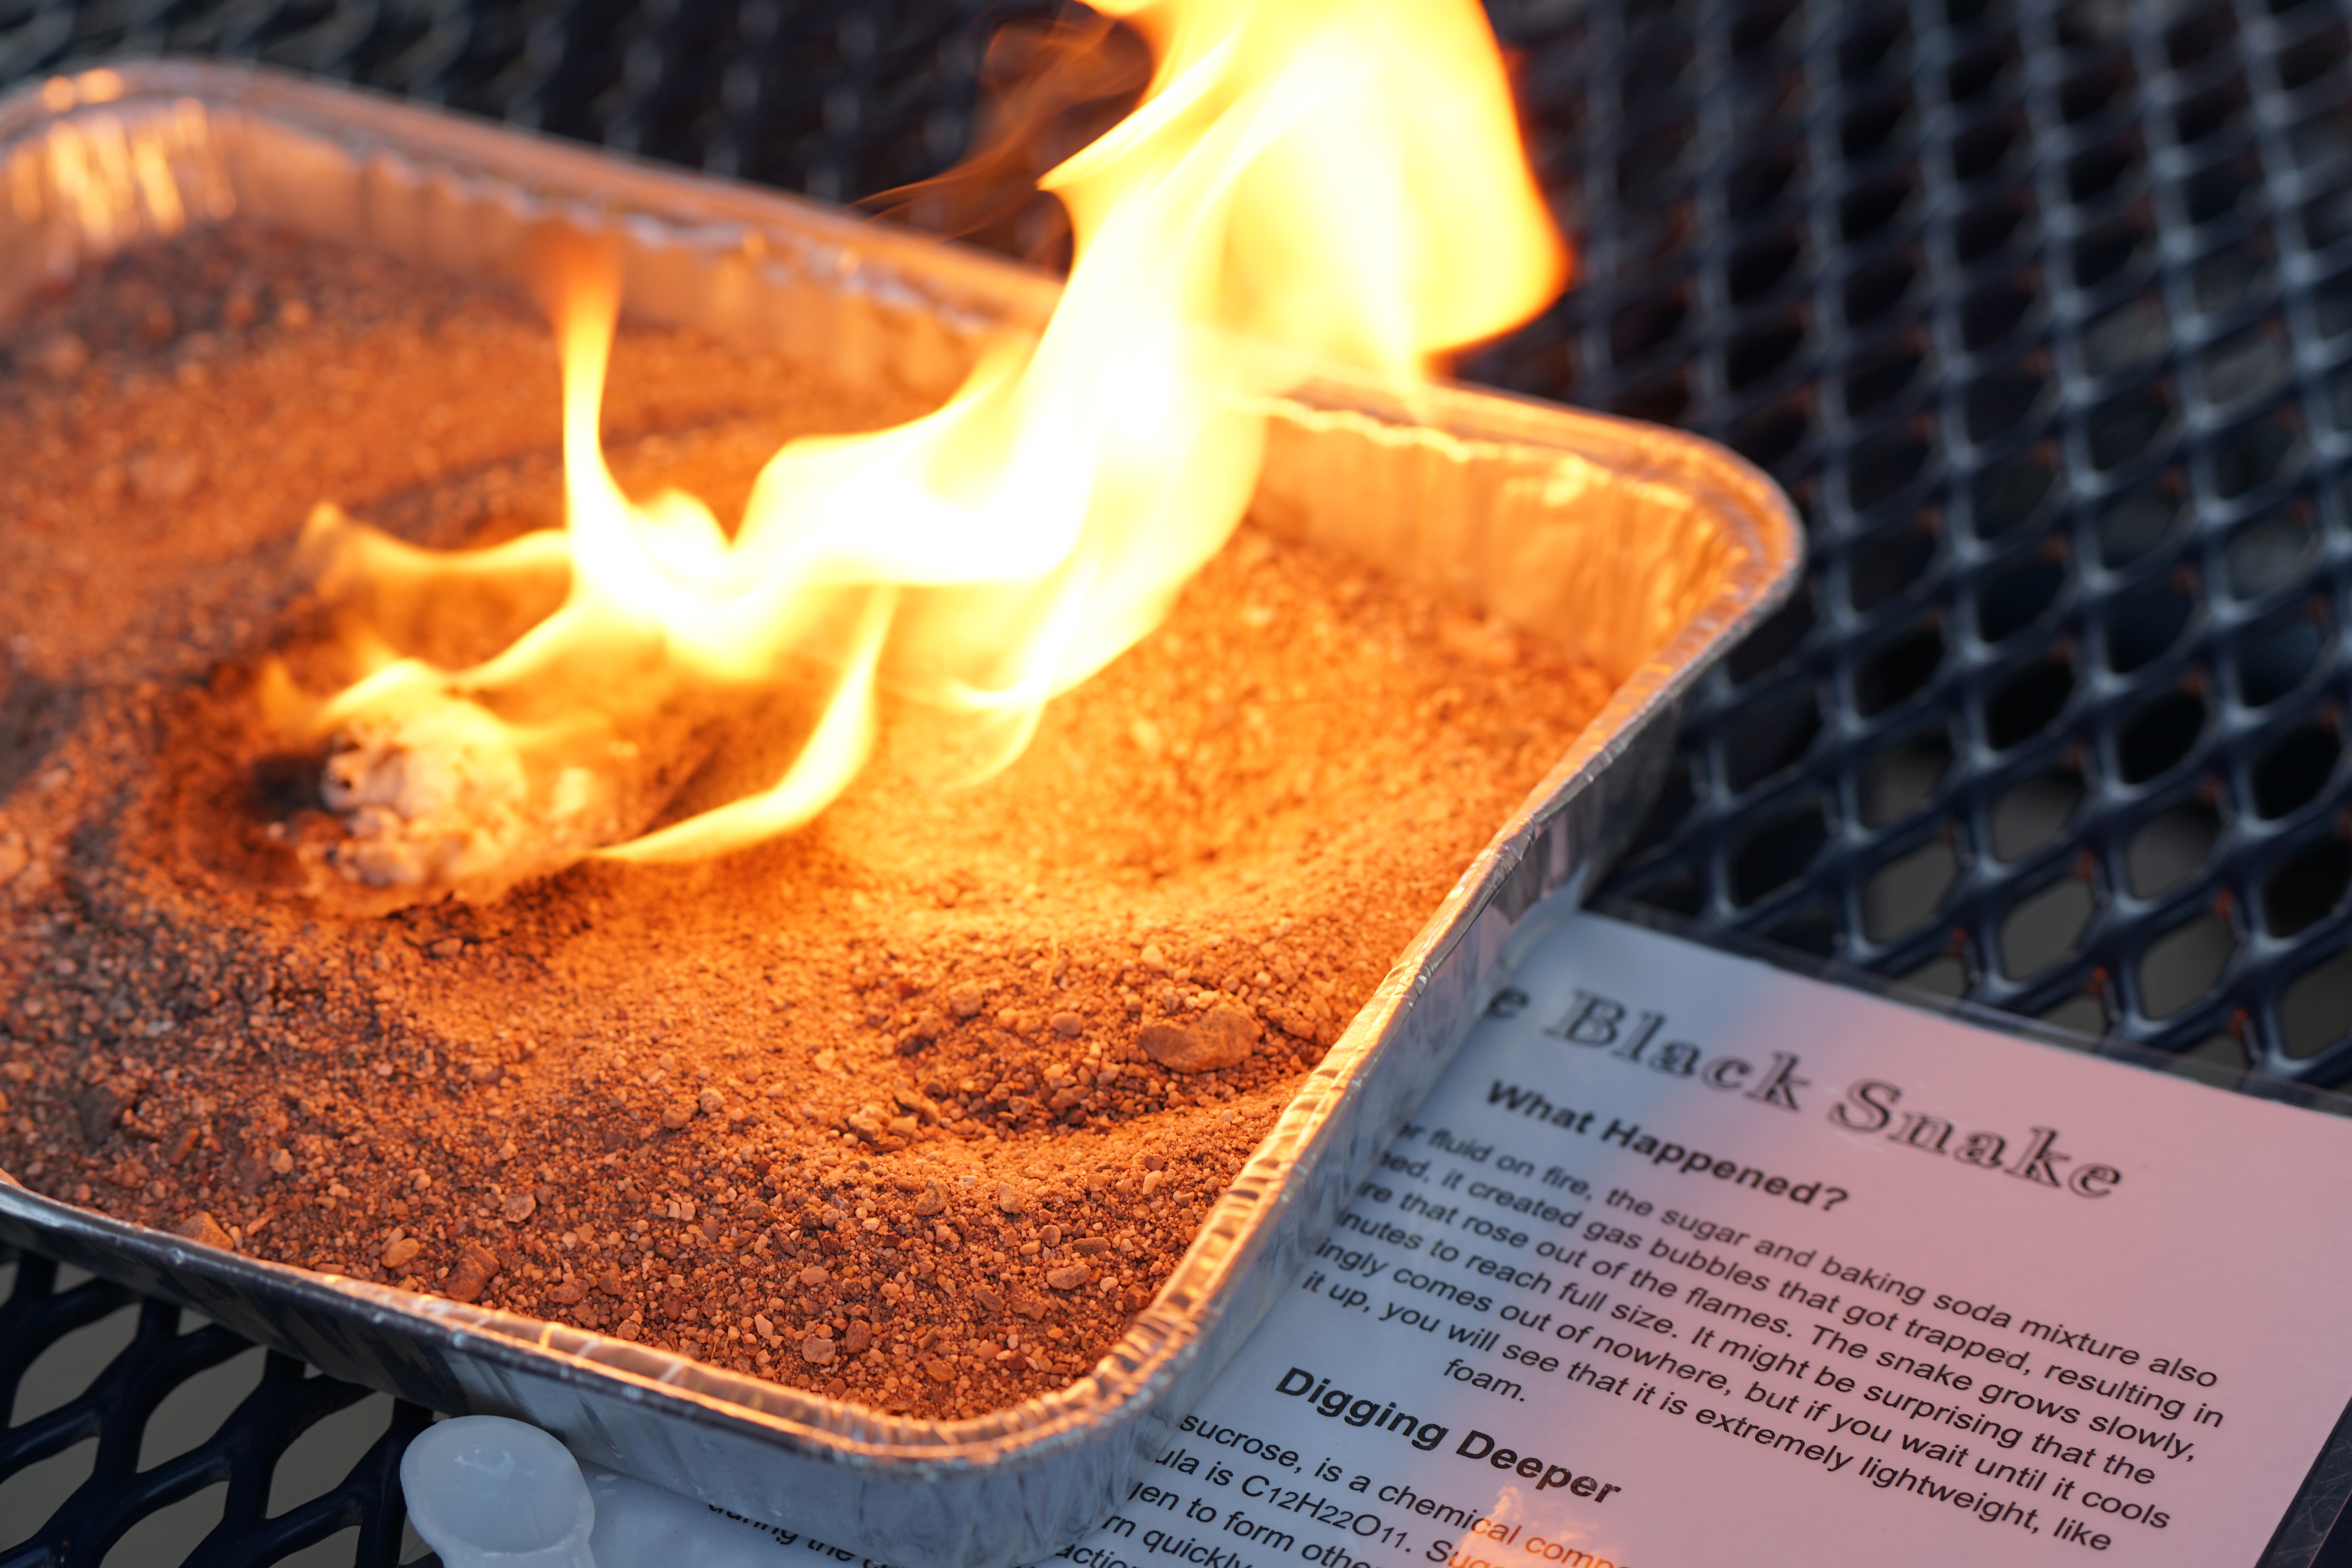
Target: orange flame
{"x": 1340, "y": 178}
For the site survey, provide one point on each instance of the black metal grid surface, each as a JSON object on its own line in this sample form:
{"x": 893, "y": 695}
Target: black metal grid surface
{"x": 837, "y": 99}
{"x": 2040, "y": 313}
{"x": 134, "y": 1437}
{"x": 2043, "y": 312}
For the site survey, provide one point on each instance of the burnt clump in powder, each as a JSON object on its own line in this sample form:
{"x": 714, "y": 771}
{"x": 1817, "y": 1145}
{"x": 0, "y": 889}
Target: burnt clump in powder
{"x": 915, "y": 1106}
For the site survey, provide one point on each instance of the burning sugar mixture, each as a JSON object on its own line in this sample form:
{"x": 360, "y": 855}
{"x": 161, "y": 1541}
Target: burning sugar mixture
{"x": 915, "y": 1106}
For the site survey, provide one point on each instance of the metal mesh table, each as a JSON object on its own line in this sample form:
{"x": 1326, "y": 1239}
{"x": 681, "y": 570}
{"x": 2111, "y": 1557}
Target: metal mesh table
{"x": 2041, "y": 311}
{"x": 138, "y": 1436}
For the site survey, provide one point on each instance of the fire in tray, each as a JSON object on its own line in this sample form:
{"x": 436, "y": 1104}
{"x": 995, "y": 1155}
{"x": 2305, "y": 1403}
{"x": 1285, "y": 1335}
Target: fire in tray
{"x": 1310, "y": 179}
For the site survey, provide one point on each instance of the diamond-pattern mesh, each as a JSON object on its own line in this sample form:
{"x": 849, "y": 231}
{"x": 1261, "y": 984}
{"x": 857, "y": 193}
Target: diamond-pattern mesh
{"x": 837, "y": 100}
{"x": 2040, "y": 314}
{"x": 133, "y": 1437}
{"x": 2041, "y": 311}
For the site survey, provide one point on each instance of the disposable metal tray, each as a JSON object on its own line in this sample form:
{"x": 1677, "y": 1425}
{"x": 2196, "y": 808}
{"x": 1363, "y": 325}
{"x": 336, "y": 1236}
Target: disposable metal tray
{"x": 1640, "y": 551}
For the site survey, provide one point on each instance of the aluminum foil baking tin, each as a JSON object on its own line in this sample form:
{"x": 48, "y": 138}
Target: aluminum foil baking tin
{"x": 1643, "y": 551}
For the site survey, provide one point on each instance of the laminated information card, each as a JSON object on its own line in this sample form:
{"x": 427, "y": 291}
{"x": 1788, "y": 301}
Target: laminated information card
{"x": 1691, "y": 1261}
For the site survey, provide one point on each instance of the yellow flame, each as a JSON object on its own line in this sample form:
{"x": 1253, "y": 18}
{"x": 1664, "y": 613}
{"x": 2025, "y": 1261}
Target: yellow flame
{"x": 1338, "y": 178}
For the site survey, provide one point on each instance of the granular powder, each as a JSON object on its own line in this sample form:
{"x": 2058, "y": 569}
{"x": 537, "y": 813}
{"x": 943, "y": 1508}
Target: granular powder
{"x": 915, "y": 1106}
